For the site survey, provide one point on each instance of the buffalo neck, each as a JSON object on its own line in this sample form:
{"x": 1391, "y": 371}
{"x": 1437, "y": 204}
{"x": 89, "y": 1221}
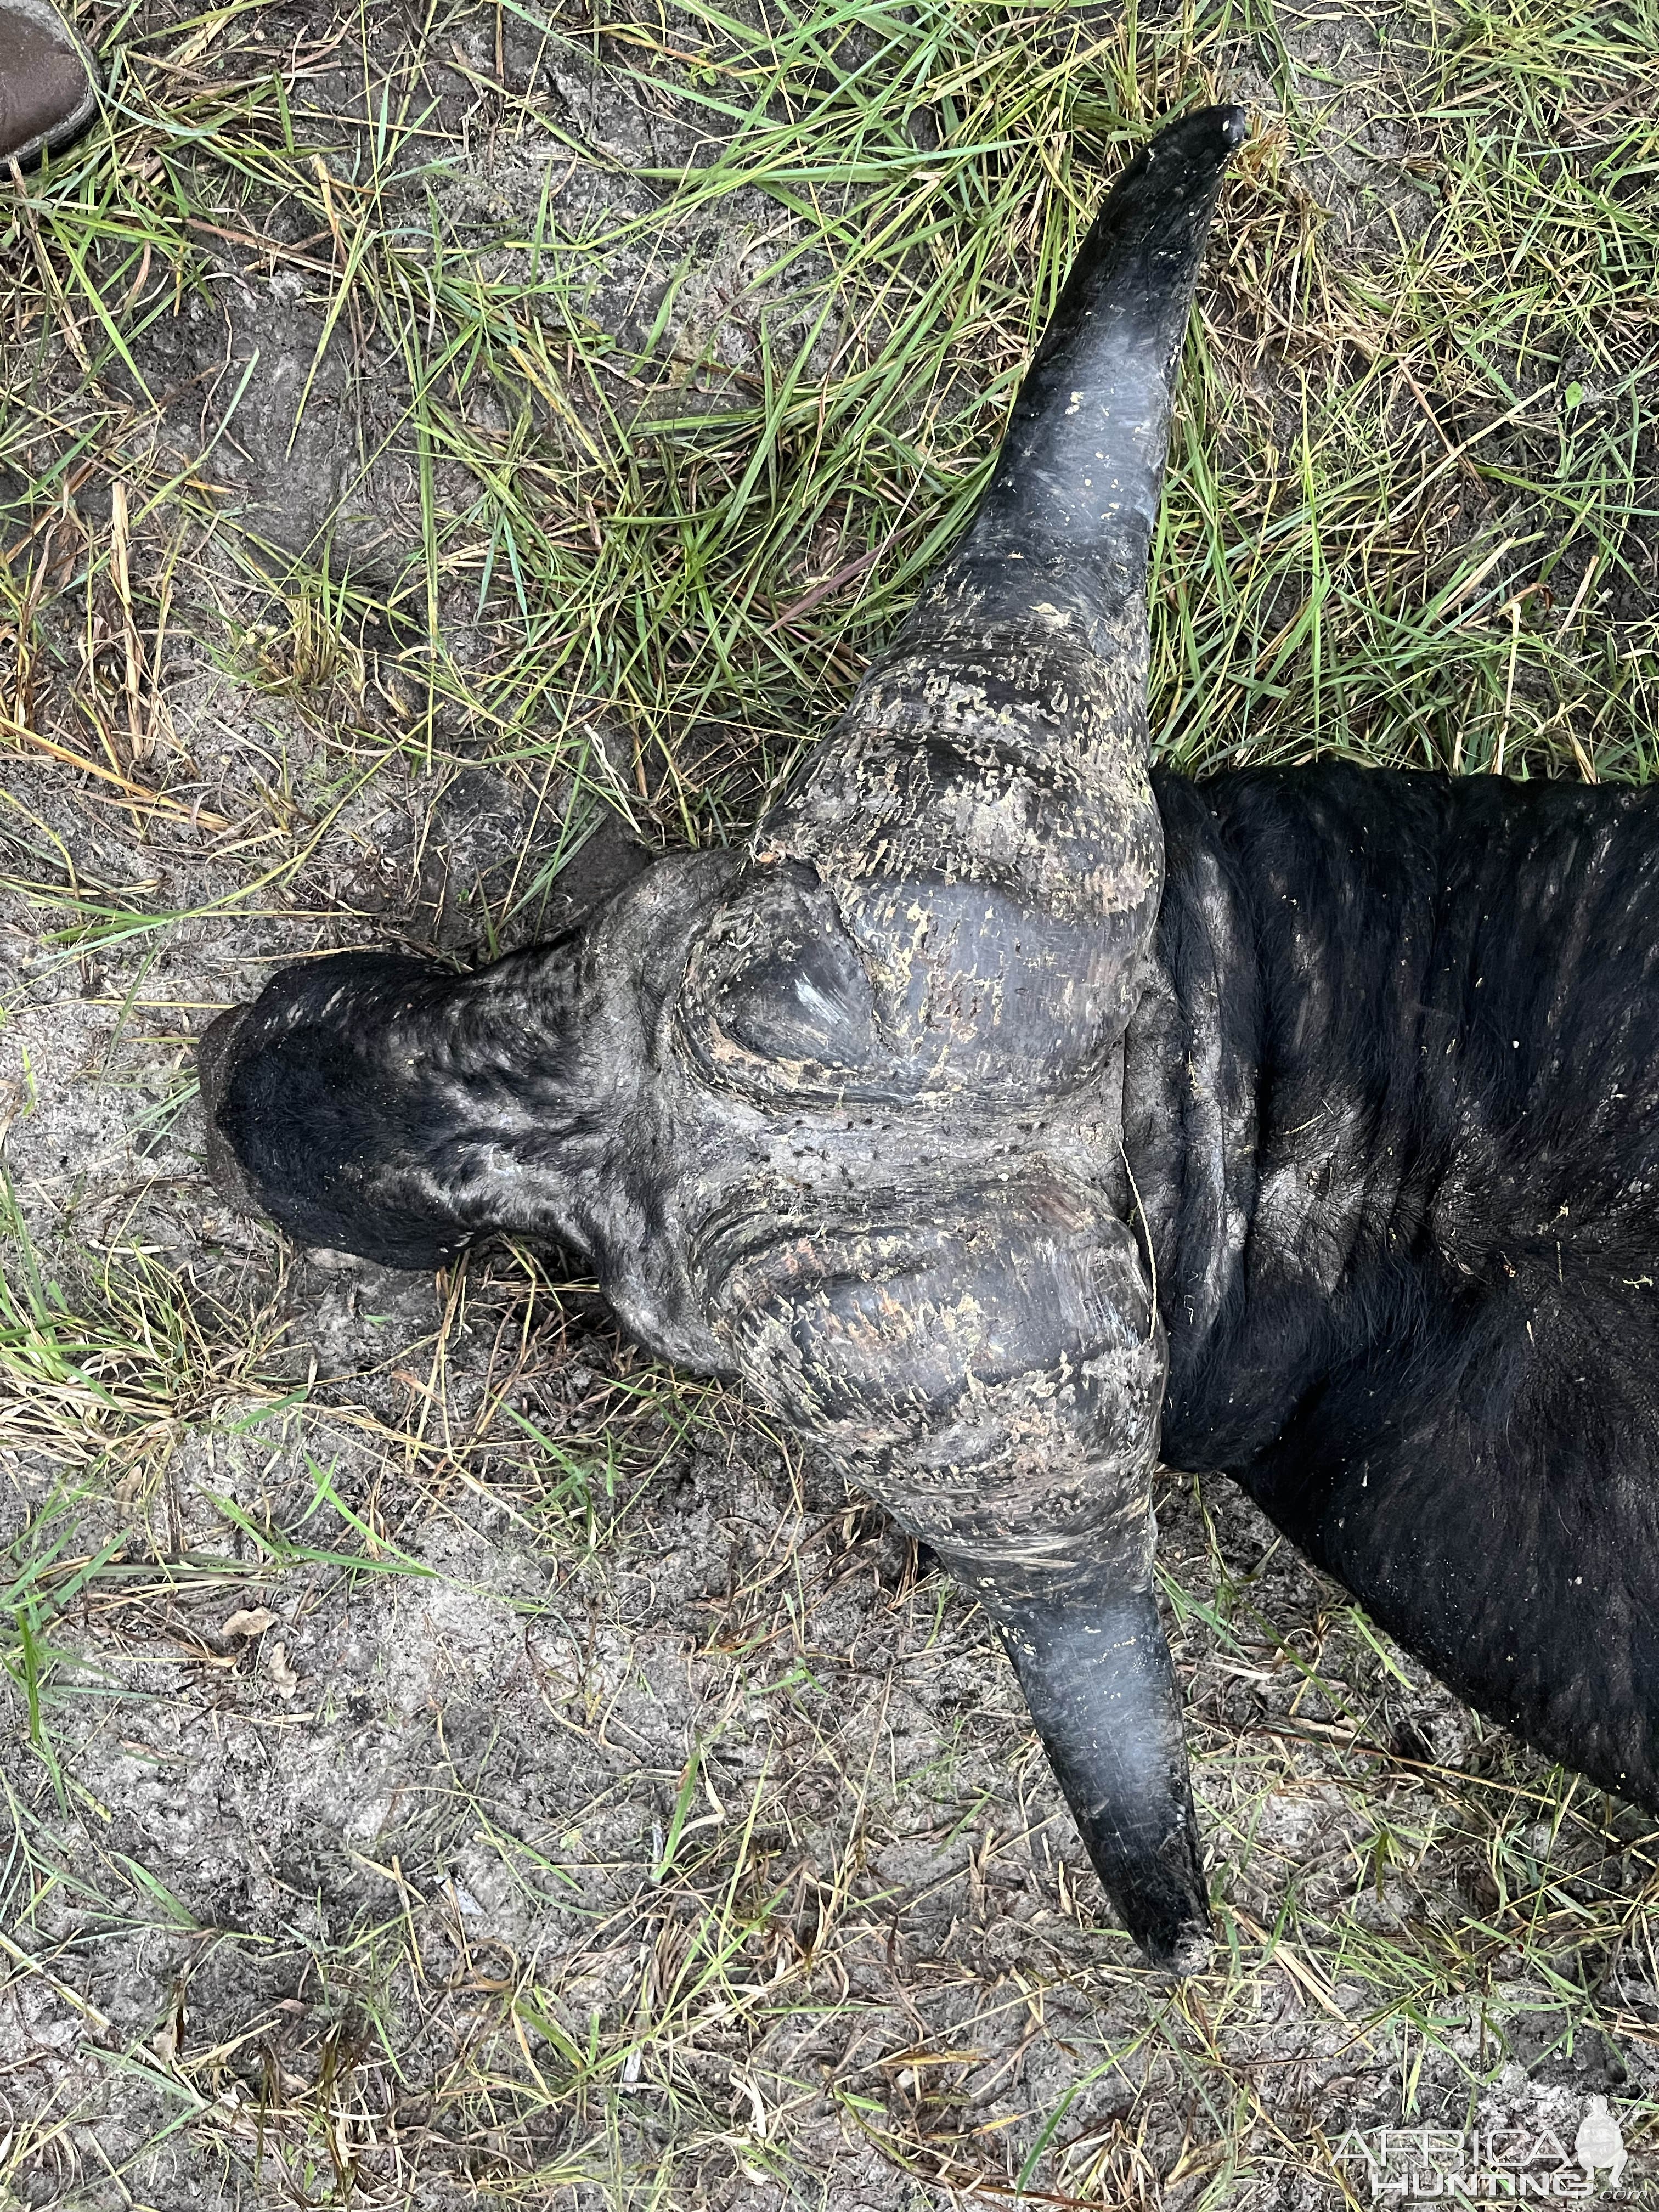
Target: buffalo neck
{"x": 1376, "y": 1025}
{"x": 1285, "y": 1136}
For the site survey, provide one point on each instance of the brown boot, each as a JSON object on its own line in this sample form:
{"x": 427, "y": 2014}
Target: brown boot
{"x": 48, "y": 82}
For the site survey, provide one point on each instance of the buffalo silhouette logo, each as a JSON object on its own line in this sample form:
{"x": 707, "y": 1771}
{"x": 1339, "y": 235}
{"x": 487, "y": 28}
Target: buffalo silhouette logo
{"x": 1600, "y": 2142}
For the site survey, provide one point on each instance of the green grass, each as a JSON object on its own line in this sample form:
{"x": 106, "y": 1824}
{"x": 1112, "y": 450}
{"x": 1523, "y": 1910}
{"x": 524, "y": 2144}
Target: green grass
{"x": 654, "y": 378}
{"x": 706, "y": 549}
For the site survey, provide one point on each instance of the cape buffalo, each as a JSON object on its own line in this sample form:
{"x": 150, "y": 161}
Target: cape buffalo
{"x": 1008, "y": 1117}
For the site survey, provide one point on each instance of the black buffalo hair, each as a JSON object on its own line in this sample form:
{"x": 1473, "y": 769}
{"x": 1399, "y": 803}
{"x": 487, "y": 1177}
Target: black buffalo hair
{"x": 1434, "y": 1054}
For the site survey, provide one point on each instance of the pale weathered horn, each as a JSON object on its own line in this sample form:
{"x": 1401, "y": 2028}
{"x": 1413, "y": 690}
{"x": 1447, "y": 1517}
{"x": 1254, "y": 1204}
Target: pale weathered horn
{"x": 842, "y": 1116}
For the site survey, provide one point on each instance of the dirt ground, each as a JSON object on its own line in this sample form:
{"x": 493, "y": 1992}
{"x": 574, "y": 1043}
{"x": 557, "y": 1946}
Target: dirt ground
{"x": 449, "y": 1759}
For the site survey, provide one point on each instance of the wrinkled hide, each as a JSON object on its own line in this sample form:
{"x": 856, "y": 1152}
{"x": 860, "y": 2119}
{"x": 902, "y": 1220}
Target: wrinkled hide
{"x": 1002, "y": 1118}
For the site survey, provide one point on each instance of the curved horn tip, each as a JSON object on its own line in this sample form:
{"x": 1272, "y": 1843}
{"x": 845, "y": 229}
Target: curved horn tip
{"x": 1185, "y": 1953}
{"x": 1096, "y": 1676}
{"x": 1192, "y": 1956}
{"x": 1222, "y": 128}
{"x": 1158, "y": 1890}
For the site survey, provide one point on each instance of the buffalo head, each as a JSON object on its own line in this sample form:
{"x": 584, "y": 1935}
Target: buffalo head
{"x": 841, "y": 1113}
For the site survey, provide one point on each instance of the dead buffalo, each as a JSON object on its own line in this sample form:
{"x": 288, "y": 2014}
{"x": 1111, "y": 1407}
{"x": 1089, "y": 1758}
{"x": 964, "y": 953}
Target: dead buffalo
{"x": 1008, "y": 1118}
